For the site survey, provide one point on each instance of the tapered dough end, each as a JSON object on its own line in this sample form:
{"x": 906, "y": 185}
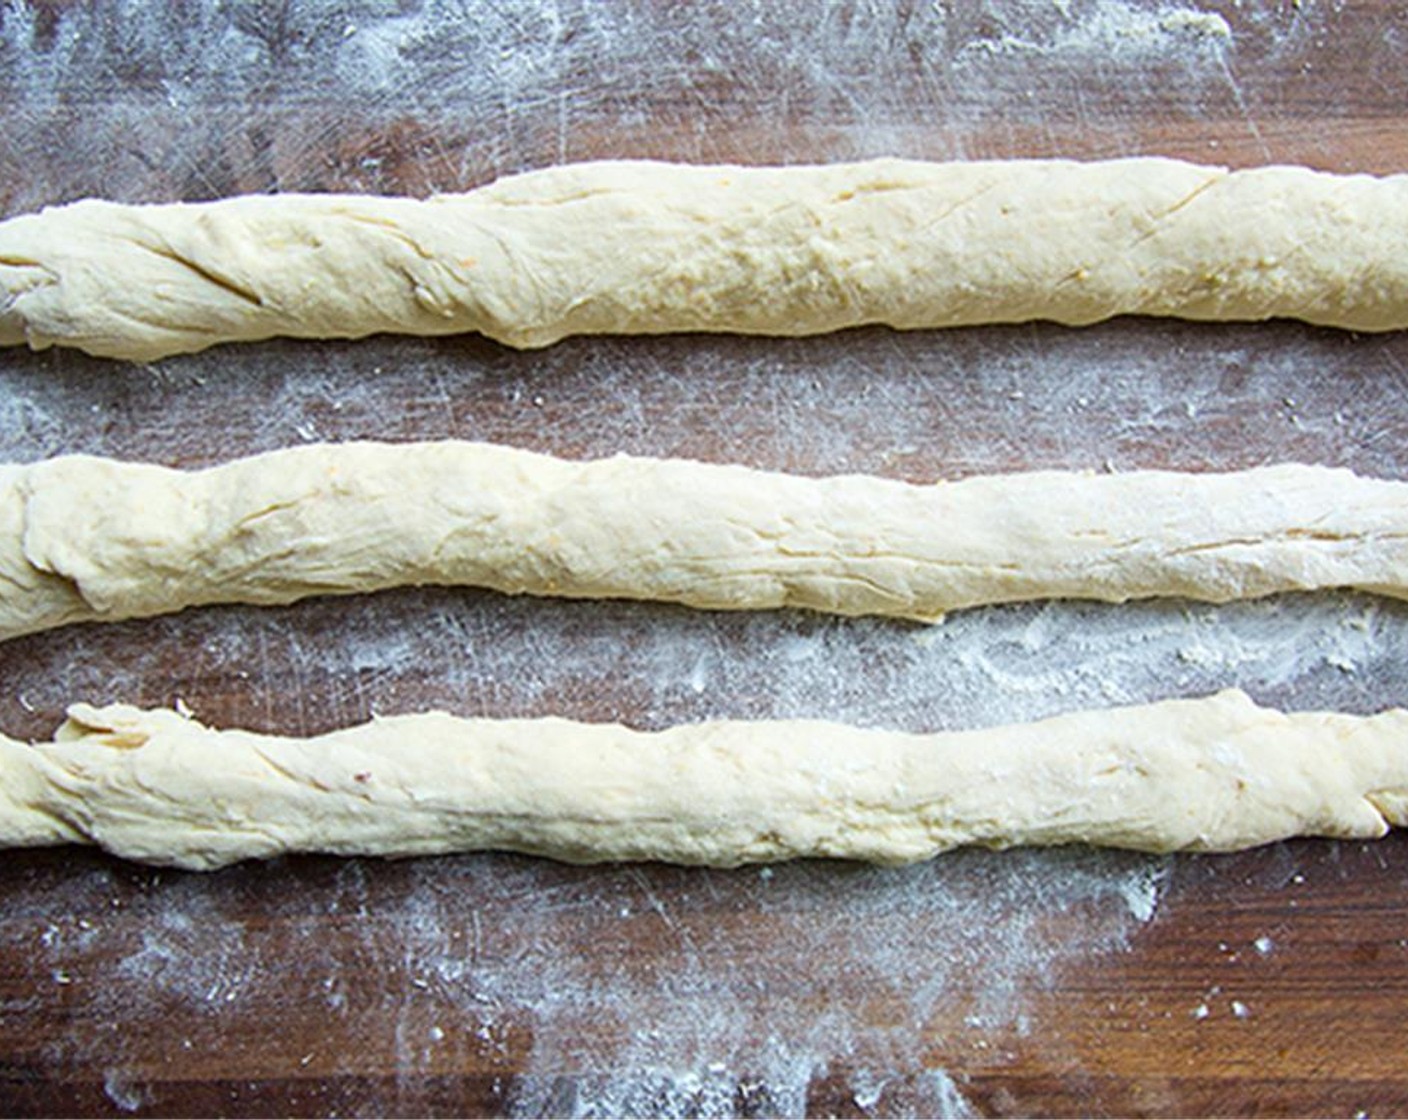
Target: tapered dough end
{"x": 34, "y": 598}
{"x": 23, "y": 790}
{"x": 29, "y": 782}
{"x": 22, "y": 276}
{"x": 1392, "y": 805}
{"x": 96, "y": 276}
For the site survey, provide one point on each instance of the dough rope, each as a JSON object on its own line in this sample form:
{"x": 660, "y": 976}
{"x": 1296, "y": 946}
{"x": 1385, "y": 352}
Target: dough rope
{"x": 83, "y": 538}
{"x": 652, "y": 248}
{"x": 1213, "y": 774}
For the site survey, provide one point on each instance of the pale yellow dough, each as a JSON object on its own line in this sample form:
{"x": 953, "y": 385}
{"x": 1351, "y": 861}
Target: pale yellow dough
{"x": 649, "y": 248}
{"x": 1213, "y": 774}
{"x": 85, "y": 538}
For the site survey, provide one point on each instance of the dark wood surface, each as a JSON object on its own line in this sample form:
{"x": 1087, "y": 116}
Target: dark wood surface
{"x": 1118, "y": 1036}
{"x": 1272, "y": 982}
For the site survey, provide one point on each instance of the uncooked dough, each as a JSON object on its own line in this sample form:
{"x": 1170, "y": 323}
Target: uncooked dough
{"x": 650, "y": 248}
{"x": 87, "y": 538}
{"x": 1213, "y": 774}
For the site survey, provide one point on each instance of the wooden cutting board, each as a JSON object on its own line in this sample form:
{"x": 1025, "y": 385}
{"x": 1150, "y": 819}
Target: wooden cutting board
{"x": 1069, "y": 982}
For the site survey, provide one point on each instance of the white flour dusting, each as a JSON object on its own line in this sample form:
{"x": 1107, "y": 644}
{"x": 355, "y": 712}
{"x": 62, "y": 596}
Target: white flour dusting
{"x": 156, "y": 101}
{"x": 1108, "y": 28}
{"x": 632, "y": 984}
{"x": 121, "y": 1093}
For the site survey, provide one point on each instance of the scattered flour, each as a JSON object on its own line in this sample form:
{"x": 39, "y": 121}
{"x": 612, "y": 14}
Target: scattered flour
{"x": 1108, "y": 28}
{"x": 121, "y": 1093}
{"x": 629, "y": 987}
{"x": 197, "y": 100}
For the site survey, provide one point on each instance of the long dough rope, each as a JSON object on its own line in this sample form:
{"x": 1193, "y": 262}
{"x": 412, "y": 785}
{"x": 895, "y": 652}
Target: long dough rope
{"x": 85, "y": 538}
{"x": 650, "y": 248}
{"x": 1218, "y": 773}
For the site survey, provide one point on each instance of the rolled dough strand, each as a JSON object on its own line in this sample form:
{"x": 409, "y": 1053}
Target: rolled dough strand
{"x": 652, "y": 248}
{"x": 1215, "y": 774}
{"x": 86, "y": 538}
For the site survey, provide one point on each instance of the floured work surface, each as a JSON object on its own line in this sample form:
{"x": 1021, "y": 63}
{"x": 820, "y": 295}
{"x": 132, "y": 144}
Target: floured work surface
{"x": 1060, "y": 981}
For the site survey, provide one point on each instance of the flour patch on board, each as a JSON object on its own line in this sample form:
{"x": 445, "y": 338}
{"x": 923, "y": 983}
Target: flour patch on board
{"x": 671, "y": 1015}
{"x": 125, "y": 1094}
{"x": 1115, "y": 29}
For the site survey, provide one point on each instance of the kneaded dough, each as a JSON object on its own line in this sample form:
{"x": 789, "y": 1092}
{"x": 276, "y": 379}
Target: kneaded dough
{"x": 1214, "y": 774}
{"x": 650, "y": 248}
{"x": 85, "y": 538}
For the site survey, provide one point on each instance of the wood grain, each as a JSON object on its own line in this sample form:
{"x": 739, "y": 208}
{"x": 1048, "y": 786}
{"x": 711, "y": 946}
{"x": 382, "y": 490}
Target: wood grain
{"x": 1320, "y": 1034}
{"x": 1269, "y": 983}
